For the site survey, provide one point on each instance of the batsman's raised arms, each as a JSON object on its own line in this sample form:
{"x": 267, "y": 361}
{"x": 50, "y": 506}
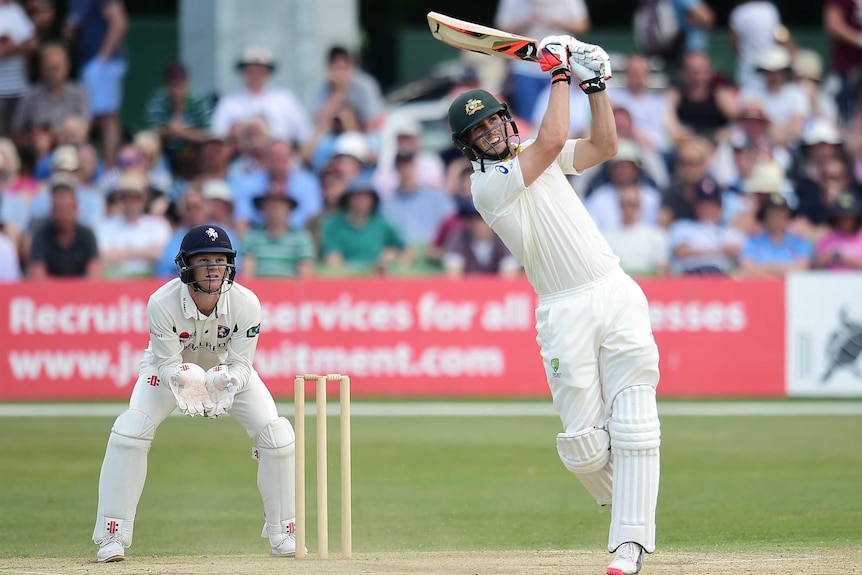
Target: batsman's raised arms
{"x": 483, "y": 39}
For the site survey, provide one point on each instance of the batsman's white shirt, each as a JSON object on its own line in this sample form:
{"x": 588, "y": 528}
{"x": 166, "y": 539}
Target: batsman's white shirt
{"x": 546, "y": 227}
{"x": 593, "y": 320}
{"x": 179, "y": 333}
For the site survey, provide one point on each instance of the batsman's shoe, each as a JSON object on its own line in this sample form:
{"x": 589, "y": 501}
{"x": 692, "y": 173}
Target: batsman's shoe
{"x": 628, "y": 560}
{"x": 111, "y": 549}
{"x": 286, "y": 547}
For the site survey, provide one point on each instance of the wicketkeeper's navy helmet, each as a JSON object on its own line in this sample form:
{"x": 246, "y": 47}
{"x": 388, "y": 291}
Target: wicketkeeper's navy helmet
{"x": 205, "y": 239}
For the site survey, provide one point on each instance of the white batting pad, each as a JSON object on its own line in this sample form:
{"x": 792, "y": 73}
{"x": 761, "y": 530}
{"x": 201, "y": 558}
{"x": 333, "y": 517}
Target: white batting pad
{"x": 635, "y": 439}
{"x": 124, "y": 470}
{"x": 276, "y": 478}
{"x": 587, "y": 454}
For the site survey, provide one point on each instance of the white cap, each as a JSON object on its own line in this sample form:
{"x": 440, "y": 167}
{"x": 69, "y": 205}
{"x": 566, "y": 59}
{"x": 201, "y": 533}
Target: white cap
{"x": 767, "y": 177}
{"x": 627, "y": 151}
{"x": 65, "y": 158}
{"x": 820, "y": 131}
{"x": 217, "y": 190}
{"x": 808, "y": 64}
{"x": 408, "y": 128}
{"x": 773, "y": 59}
{"x": 256, "y": 55}
{"x": 351, "y": 144}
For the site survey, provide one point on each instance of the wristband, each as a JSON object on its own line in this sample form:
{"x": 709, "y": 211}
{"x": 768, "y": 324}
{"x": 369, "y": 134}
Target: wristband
{"x": 561, "y": 75}
{"x": 593, "y": 85}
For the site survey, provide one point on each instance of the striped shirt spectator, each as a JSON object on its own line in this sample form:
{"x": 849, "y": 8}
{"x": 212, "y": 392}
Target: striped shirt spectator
{"x": 276, "y": 249}
{"x": 17, "y": 39}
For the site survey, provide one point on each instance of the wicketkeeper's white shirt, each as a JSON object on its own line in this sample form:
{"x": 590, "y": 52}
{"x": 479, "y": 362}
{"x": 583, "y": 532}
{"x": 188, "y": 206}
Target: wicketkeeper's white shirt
{"x": 179, "y": 333}
{"x": 546, "y": 226}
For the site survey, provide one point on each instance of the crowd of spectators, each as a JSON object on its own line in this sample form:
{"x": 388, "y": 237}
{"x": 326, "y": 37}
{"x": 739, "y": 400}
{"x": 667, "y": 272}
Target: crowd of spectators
{"x": 757, "y": 174}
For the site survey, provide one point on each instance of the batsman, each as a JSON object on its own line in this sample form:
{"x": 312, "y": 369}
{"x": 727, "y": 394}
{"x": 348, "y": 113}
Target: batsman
{"x": 203, "y": 334}
{"x": 592, "y": 320}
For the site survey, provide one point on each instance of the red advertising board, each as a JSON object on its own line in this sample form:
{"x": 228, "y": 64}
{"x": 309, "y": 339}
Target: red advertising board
{"x": 719, "y": 337}
{"x": 395, "y": 338}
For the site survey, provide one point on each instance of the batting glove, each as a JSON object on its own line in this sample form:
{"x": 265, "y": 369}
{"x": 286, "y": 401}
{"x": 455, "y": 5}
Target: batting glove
{"x": 221, "y": 388}
{"x": 188, "y": 386}
{"x": 591, "y": 65}
{"x": 554, "y": 58}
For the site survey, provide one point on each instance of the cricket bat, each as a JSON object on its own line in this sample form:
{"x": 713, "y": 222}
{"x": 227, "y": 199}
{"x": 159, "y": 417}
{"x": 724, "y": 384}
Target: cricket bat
{"x": 483, "y": 39}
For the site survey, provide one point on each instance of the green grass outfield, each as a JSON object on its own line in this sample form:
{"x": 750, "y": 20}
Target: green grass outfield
{"x": 435, "y": 483}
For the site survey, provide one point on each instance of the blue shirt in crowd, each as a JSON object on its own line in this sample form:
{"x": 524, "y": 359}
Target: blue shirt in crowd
{"x": 760, "y": 249}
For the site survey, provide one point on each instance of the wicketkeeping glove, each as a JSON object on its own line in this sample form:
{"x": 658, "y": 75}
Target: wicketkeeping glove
{"x": 221, "y": 388}
{"x": 554, "y": 58}
{"x": 591, "y": 65}
{"x": 188, "y": 386}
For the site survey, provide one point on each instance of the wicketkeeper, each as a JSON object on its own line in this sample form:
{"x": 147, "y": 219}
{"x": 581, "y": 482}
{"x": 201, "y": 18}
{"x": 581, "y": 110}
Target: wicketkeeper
{"x": 203, "y": 334}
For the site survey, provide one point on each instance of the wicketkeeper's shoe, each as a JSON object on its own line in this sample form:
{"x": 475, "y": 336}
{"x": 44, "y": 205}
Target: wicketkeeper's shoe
{"x": 111, "y": 549}
{"x": 628, "y": 560}
{"x": 286, "y": 547}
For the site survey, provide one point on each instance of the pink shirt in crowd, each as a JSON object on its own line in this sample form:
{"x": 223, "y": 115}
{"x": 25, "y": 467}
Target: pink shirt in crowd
{"x": 848, "y": 246}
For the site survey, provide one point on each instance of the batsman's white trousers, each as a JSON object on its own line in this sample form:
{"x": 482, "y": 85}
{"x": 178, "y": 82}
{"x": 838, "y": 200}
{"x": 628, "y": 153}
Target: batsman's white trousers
{"x": 595, "y": 341}
{"x": 597, "y": 346}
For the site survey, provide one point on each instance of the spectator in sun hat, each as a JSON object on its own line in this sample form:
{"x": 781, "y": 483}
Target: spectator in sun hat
{"x": 821, "y": 143}
{"x": 66, "y": 161}
{"x": 754, "y": 123}
{"x": 131, "y": 241}
{"x": 704, "y": 245}
{"x": 275, "y": 248}
{"x": 408, "y": 138}
{"x": 788, "y": 106}
{"x": 352, "y": 156}
{"x": 357, "y": 238}
{"x": 841, "y": 247}
{"x": 281, "y": 169}
{"x": 287, "y": 119}
{"x": 623, "y": 170}
{"x": 775, "y": 251}
{"x": 653, "y": 164}
{"x": 767, "y": 177}
{"x": 807, "y": 68}
{"x": 752, "y": 25}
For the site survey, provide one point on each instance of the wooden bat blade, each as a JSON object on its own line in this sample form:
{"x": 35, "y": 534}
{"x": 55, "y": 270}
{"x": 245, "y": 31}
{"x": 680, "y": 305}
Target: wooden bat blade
{"x": 483, "y": 39}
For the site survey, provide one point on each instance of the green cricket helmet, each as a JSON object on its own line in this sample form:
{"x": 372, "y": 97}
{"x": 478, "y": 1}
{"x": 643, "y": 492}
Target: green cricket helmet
{"x": 467, "y": 110}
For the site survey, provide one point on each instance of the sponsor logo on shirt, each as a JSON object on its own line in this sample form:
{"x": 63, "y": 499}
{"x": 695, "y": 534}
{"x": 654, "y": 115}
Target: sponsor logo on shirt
{"x": 502, "y": 169}
{"x": 253, "y": 331}
{"x": 555, "y": 366}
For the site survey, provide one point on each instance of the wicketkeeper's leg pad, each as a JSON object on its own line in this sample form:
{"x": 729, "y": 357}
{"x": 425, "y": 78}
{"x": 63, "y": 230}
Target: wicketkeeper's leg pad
{"x": 124, "y": 471}
{"x": 586, "y": 453}
{"x": 635, "y": 439}
{"x": 276, "y": 478}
